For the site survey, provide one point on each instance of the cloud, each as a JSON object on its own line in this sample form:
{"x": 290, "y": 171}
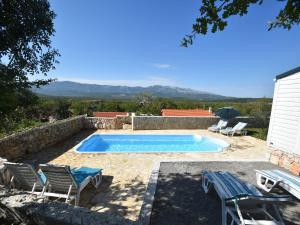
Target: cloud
{"x": 148, "y": 81}
{"x": 162, "y": 65}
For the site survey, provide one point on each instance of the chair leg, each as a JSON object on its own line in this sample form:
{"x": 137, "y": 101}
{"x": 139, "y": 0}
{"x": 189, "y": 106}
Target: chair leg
{"x": 224, "y": 214}
{"x": 68, "y": 195}
{"x": 11, "y": 183}
{"x": 206, "y": 185}
{"x": 77, "y": 198}
{"x": 278, "y": 215}
{"x": 97, "y": 180}
{"x": 33, "y": 188}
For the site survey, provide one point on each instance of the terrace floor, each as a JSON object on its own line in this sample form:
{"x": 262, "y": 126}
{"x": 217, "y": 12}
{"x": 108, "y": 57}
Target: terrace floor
{"x": 126, "y": 175}
{"x": 180, "y": 199}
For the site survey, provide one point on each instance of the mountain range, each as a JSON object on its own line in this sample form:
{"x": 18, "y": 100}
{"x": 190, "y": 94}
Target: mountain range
{"x": 74, "y": 89}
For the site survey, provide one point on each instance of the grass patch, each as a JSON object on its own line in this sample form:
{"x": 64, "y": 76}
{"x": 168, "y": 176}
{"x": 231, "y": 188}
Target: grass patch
{"x": 260, "y": 133}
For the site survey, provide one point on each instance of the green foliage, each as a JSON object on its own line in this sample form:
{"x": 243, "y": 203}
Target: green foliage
{"x": 259, "y": 133}
{"x": 26, "y": 27}
{"x": 63, "y": 110}
{"x": 215, "y": 14}
{"x": 32, "y": 110}
{"x": 22, "y": 106}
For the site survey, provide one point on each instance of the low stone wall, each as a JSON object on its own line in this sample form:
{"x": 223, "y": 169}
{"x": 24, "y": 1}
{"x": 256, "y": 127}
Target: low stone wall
{"x": 99, "y": 123}
{"x": 40, "y": 211}
{"x": 180, "y": 122}
{"x": 170, "y": 122}
{"x": 35, "y": 139}
{"x": 106, "y": 122}
{"x": 286, "y": 160}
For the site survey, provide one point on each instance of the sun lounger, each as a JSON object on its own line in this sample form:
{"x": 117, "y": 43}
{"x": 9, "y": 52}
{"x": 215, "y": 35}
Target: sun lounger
{"x": 242, "y": 203}
{"x": 26, "y": 177}
{"x": 237, "y": 129}
{"x": 68, "y": 183}
{"x": 269, "y": 179}
{"x": 217, "y": 127}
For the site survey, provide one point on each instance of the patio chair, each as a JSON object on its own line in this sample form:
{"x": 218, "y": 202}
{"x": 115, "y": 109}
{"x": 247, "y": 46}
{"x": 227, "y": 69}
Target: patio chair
{"x": 26, "y": 177}
{"x": 217, "y": 127}
{"x": 269, "y": 179}
{"x": 242, "y": 203}
{"x": 68, "y": 183}
{"x": 239, "y": 128}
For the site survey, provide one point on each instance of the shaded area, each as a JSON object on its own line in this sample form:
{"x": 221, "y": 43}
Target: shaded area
{"x": 105, "y": 205}
{"x": 37, "y": 212}
{"x": 51, "y": 153}
{"x": 180, "y": 199}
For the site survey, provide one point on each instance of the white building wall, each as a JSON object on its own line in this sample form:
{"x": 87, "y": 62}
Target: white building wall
{"x": 284, "y": 129}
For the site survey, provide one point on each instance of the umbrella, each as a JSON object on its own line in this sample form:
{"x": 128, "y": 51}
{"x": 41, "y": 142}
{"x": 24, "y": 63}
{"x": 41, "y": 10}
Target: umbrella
{"x": 227, "y": 113}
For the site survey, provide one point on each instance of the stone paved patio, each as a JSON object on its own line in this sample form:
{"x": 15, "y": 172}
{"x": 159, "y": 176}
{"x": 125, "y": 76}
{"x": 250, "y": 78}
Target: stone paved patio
{"x": 126, "y": 174}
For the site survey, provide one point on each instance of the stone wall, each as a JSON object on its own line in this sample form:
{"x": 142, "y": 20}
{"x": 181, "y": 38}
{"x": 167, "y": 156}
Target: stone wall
{"x": 286, "y": 160}
{"x": 99, "y": 123}
{"x": 41, "y": 211}
{"x": 32, "y": 140}
{"x": 170, "y": 122}
{"x": 106, "y": 122}
{"x": 180, "y": 122}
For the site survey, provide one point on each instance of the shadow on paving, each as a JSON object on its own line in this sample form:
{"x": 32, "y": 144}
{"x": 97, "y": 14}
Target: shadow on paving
{"x": 108, "y": 197}
{"x": 104, "y": 201}
{"x": 180, "y": 199}
{"x": 50, "y": 153}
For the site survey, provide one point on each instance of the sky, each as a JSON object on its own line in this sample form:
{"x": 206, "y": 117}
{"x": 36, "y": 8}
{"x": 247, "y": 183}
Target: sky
{"x": 137, "y": 43}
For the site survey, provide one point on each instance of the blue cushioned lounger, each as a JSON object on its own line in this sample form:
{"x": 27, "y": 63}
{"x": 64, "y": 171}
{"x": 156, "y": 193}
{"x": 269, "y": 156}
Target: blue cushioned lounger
{"x": 269, "y": 179}
{"x": 67, "y": 183}
{"x": 242, "y": 203}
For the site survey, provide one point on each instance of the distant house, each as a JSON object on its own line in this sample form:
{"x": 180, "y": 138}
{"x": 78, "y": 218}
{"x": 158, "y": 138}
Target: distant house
{"x": 186, "y": 112}
{"x": 110, "y": 114}
{"x": 284, "y": 129}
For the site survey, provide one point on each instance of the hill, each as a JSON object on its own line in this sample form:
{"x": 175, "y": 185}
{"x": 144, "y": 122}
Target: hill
{"x": 73, "y": 89}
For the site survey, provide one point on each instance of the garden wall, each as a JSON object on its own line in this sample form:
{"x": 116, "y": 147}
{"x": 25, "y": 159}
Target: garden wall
{"x": 35, "y": 139}
{"x": 286, "y": 160}
{"x": 180, "y": 122}
{"x": 106, "y": 122}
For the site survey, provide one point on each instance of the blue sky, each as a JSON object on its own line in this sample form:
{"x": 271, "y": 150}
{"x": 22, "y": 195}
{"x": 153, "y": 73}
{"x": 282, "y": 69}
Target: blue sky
{"x": 137, "y": 43}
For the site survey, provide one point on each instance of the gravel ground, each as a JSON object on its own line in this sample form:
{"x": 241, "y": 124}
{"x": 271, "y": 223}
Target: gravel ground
{"x": 180, "y": 199}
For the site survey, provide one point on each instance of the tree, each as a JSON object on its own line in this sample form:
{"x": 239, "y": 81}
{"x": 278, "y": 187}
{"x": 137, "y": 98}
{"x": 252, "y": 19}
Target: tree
{"x": 63, "y": 110}
{"x": 214, "y": 15}
{"x": 26, "y": 27}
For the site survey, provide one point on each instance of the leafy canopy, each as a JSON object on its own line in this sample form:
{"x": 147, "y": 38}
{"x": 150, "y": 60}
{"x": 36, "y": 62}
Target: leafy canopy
{"x": 26, "y": 27}
{"x": 214, "y": 15}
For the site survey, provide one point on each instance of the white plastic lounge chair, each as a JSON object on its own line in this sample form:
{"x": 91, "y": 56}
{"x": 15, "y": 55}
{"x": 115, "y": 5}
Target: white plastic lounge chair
{"x": 269, "y": 179}
{"x": 217, "y": 127}
{"x": 27, "y": 177}
{"x": 68, "y": 183}
{"x": 242, "y": 203}
{"x": 237, "y": 129}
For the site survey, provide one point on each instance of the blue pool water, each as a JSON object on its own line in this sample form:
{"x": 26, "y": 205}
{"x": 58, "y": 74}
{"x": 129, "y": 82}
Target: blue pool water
{"x": 150, "y": 143}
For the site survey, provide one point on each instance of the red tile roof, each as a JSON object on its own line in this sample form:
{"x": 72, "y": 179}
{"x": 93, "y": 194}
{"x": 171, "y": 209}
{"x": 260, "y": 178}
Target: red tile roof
{"x": 186, "y": 112}
{"x": 109, "y": 114}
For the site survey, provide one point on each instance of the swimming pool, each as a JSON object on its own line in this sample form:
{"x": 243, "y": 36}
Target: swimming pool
{"x": 120, "y": 143}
